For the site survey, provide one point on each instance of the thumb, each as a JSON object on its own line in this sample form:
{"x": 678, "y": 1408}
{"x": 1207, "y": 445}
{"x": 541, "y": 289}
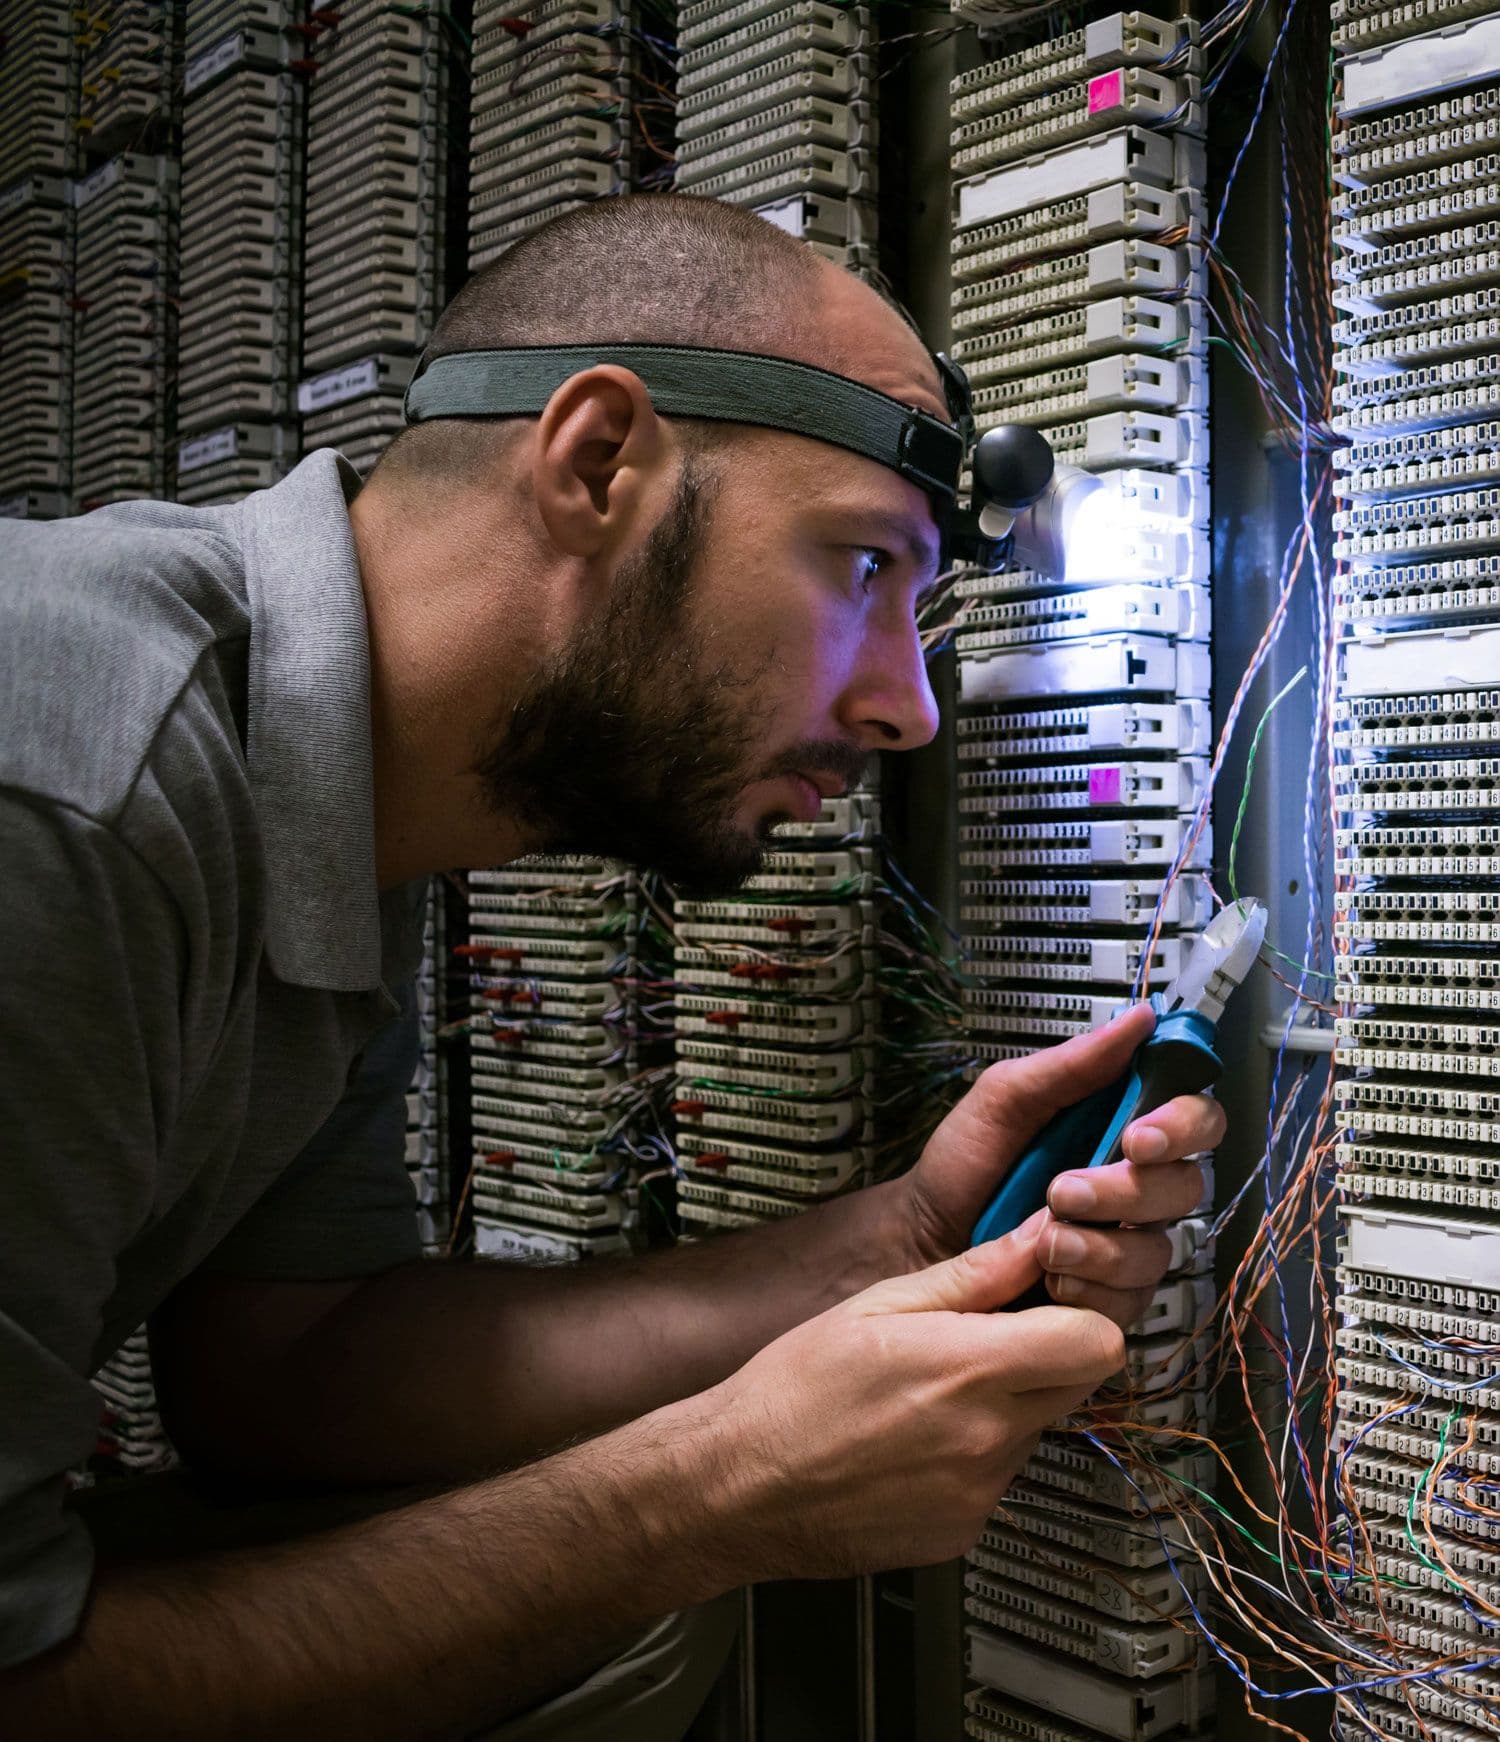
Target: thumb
{"x": 978, "y": 1280}
{"x": 1014, "y": 1099}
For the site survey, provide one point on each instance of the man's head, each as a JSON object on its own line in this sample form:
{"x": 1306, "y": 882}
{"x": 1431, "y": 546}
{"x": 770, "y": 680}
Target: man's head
{"x": 719, "y": 620}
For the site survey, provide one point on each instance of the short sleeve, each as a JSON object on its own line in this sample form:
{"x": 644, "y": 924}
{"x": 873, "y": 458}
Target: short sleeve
{"x": 345, "y": 1207}
{"x": 92, "y": 953}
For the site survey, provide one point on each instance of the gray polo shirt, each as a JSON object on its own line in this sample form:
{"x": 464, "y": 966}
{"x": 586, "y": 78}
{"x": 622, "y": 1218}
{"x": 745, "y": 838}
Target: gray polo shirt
{"x": 201, "y": 1056}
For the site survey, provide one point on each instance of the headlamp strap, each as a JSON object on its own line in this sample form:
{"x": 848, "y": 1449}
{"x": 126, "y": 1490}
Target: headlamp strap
{"x": 723, "y": 386}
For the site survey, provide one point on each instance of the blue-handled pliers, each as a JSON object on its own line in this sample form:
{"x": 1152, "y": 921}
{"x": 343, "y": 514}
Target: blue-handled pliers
{"x": 1177, "y": 1059}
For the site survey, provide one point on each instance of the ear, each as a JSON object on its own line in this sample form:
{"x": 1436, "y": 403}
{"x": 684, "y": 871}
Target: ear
{"x": 599, "y": 446}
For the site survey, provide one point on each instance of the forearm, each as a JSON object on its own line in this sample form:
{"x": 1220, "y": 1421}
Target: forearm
{"x": 428, "y": 1622}
{"x": 442, "y": 1371}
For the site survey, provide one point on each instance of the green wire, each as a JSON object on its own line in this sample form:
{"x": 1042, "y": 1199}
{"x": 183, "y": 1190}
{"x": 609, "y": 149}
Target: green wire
{"x": 1411, "y": 1505}
{"x": 1239, "y": 819}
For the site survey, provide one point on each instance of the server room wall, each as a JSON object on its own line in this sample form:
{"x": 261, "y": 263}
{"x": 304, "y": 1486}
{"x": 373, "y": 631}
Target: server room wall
{"x": 1245, "y": 270}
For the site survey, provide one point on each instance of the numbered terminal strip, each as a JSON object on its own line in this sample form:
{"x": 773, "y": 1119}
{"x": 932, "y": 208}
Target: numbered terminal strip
{"x": 380, "y": 189}
{"x": 776, "y": 111}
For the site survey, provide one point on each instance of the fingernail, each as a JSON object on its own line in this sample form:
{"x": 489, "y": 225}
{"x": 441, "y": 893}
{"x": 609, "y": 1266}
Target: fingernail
{"x": 1067, "y": 1246}
{"x": 1067, "y": 1287}
{"x": 1147, "y": 1143}
{"x": 1071, "y": 1197}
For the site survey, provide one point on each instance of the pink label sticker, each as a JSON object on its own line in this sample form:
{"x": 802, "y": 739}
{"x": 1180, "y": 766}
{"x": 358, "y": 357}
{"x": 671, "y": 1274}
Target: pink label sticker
{"x": 1107, "y": 91}
{"x": 1104, "y": 786}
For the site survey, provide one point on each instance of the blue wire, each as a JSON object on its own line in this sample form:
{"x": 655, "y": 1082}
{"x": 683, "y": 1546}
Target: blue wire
{"x": 1260, "y": 103}
{"x": 1318, "y": 1689}
{"x": 1435, "y": 1379}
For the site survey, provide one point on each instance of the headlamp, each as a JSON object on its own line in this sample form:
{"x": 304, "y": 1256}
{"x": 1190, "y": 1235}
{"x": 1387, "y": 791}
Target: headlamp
{"x": 1021, "y": 493}
{"x": 1018, "y": 492}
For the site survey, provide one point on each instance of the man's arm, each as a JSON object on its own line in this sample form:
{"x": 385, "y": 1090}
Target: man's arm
{"x": 427, "y": 1622}
{"x": 439, "y": 1372}
{"x": 878, "y": 1434}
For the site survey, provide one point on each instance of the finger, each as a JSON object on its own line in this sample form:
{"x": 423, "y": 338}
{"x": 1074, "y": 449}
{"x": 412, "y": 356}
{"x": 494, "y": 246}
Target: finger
{"x": 1127, "y": 1192}
{"x": 1186, "y": 1126}
{"x": 1036, "y": 1411}
{"x": 1012, "y": 1100}
{"x": 1124, "y": 1305}
{"x": 978, "y": 1280}
{"x": 1047, "y": 1347}
{"x": 1116, "y": 1257}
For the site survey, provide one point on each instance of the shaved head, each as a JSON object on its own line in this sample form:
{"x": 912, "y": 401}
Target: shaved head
{"x": 665, "y": 269}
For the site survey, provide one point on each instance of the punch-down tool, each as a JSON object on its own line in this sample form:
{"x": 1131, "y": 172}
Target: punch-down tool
{"x": 1177, "y": 1059}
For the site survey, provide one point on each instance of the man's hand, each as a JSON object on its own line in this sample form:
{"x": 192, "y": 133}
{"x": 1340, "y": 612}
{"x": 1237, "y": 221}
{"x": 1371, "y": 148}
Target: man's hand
{"x": 1111, "y": 1269}
{"x": 883, "y": 1432}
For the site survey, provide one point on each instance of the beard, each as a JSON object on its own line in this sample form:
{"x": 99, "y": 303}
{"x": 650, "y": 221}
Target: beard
{"x": 631, "y": 743}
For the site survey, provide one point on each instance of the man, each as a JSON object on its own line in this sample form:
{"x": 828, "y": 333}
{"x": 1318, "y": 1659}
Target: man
{"x": 232, "y": 744}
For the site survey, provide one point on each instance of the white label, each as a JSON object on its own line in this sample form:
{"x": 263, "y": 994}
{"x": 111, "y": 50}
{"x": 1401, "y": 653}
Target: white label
{"x": 97, "y": 183}
{"x": 512, "y": 1243}
{"x": 350, "y": 382}
{"x": 213, "y": 60}
{"x": 789, "y": 215}
{"x": 1127, "y": 155}
{"x": 1401, "y": 72}
{"x": 219, "y": 444}
{"x": 16, "y": 196}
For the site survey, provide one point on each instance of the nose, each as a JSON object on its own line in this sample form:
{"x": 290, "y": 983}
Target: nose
{"x": 889, "y": 704}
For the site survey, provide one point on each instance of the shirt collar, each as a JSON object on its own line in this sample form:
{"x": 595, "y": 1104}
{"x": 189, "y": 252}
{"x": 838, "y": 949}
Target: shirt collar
{"x": 308, "y": 739}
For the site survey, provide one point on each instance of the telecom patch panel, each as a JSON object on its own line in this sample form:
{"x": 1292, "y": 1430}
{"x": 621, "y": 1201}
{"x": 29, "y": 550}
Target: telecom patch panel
{"x": 552, "y": 120}
{"x": 131, "y": 1438}
{"x": 1082, "y": 739}
{"x": 1131, "y": 94}
{"x": 1417, "y": 826}
{"x": 242, "y": 169}
{"x": 124, "y": 328}
{"x": 777, "y": 1027}
{"x": 38, "y": 90}
{"x": 776, "y": 112}
{"x": 38, "y": 108}
{"x": 129, "y": 63}
{"x": 1362, "y": 24}
{"x": 392, "y": 68}
{"x": 426, "y": 1099}
{"x": 565, "y": 1080}
{"x": 36, "y": 261}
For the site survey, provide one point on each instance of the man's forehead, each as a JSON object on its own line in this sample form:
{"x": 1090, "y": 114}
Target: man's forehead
{"x": 868, "y": 341}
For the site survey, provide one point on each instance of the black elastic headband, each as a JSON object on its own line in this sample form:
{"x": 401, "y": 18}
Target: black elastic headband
{"x": 724, "y": 386}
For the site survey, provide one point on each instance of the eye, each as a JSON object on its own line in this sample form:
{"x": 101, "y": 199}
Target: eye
{"x": 869, "y": 561}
